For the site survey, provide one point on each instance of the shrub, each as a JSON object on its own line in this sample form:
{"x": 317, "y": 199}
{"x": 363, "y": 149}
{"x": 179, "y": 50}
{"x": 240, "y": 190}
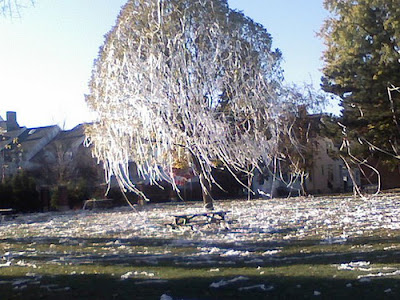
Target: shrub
{"x": 19, "y": 192}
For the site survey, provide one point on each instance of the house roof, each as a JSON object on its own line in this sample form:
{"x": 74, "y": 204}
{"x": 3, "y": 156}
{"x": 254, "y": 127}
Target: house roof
{"x": 33, "y": 135}
{"x": 73, "y": 137}
{"x": 68, "y": 140}
{"x": 7, "y": 137}
{"x": 33, "y": 142}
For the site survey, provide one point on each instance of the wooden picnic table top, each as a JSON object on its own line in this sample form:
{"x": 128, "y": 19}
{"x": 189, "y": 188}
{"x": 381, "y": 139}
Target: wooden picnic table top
{"x": 221, "y": 212}
{"x": 95, "y": 201}
{"x": 211, "y": 215}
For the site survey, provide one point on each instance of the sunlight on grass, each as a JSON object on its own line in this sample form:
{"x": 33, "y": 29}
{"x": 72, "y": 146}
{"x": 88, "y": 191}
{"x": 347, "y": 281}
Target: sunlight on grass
{"x": 280, "y": 248}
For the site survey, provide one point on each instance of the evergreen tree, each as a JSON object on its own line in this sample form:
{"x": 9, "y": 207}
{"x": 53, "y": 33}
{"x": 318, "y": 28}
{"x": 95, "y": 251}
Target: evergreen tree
{"x": 362, "y": 60}
{"x": 6, "y": 194}
{"x": 25, "y": 195}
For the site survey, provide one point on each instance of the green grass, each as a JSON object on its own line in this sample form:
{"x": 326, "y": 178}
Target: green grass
{"x": 91, "y": 268}
{"x": 299, "y": 271}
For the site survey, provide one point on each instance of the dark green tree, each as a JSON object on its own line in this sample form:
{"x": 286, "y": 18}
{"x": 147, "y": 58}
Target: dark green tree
{"x": 6, "y": 193}
{"x": 362, "y": 60}
{"x": 19, "y": 192}
{"x": 26, "y": 197}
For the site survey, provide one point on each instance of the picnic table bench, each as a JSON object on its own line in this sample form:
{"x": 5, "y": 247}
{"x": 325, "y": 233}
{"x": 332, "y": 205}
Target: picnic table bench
{"x": 211, "y": 217}
{"x": 97, "y": 203}
{"x": 6, "y": 212}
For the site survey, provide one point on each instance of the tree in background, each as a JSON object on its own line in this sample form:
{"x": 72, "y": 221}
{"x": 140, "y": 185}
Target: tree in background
{"x": 362, "y": 61}
{"x": 26, "y": 197}
{"x": 67, "y": 162}
{"x": 305, "y": 125}
{"x": 10, "y": 157}
{"x": 12, "y": 8}
{"x": 19, "y": 192}
{"x": 6, "y": 193}
{"x": 190, "y": 77}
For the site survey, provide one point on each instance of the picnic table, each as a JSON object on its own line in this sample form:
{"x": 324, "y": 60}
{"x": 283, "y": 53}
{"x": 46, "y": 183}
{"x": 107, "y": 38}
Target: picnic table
{"x": 6, "y": 212}
{"x": 211, "y": 217}
{"x": 97, "y": 203}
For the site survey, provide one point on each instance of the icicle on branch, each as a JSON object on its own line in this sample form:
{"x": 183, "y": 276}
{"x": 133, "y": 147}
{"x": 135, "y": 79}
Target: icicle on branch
{"x": 191, "y": 75}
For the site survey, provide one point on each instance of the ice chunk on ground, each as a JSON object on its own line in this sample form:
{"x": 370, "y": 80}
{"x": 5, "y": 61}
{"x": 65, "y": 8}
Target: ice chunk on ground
{"x": 257, "y": 286}
{"x": 166, "y": 297}
{"x": 226, "y": 282}
{"x": 6, "y": 264}
{"x": 354, "y": 265}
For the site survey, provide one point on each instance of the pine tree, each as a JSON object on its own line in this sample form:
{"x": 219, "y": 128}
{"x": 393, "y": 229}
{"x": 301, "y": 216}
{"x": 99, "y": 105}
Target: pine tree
{"x": 362, "y": 60}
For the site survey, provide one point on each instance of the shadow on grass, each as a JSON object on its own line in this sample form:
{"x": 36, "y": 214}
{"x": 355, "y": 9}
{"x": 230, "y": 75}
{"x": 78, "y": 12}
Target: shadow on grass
{"x": 269, "y": 287}
{"x": 195, "y": 283}
{"x": 103, "y": 251}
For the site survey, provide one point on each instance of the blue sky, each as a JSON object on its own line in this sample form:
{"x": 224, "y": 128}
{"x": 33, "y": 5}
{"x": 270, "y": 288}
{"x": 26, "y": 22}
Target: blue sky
{"x": 293, "y": 25}
{"x": 47, "y": 54}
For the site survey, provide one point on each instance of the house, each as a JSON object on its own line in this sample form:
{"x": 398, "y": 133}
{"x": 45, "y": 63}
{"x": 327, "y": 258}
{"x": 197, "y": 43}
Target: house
{"x": 58, "y": 157}
{"x": 32, "y": 148}
{"x": 67, "y": 164}
{"x": 270, "y": 185}
{"x": 57, "y": 161}
{"x": 10, "y": 154}
{"x": 33, "y": 140}
{"x": 328, "y": 173}
{"x": 19, "y": 144}
{"x": 54, "y": 157}
{"x": 324, "y": 171}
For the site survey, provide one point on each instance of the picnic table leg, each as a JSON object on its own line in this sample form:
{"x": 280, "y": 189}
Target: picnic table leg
{"x": 180, "y": 221}
{"x": 216, "y": 217}
{"x": 211, "y": 217}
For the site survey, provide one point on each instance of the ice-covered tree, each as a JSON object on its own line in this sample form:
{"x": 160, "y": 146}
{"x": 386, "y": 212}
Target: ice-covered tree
{"x": 185, "y": 78}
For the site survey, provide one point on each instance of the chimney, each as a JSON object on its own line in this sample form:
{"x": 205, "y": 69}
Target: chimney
{"x": 12, "y": 121}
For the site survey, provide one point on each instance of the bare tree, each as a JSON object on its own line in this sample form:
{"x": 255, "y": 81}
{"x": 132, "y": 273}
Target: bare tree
{"x": 12, "y": 8}
{"x": 190, "y": 77}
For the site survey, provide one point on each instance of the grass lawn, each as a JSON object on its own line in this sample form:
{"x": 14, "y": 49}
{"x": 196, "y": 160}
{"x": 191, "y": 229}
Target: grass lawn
{"x": 297, "y": 248}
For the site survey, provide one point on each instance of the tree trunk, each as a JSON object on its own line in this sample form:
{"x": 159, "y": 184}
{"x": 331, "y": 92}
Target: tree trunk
{"x": 303, "y": 184}
{"x": 205, "y": 185}
{"x": 205, "y": 190}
